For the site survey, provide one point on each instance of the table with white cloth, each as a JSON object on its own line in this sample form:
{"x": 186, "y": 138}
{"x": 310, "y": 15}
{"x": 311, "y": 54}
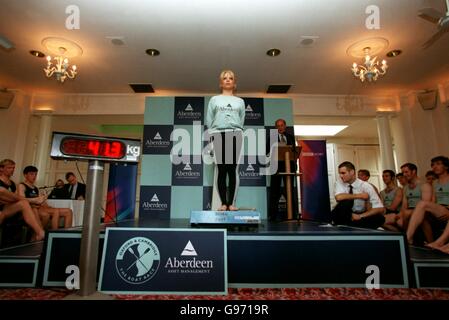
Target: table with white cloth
{"x": 77, "y": 207}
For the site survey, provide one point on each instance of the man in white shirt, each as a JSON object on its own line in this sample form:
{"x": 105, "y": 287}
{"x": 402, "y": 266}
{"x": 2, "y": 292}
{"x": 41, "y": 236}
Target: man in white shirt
{"x": 358, "y": 204}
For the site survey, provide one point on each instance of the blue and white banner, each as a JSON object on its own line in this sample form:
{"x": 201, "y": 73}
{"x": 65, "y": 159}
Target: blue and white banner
{"x": 164, "y": 261}
{"x": 121, "y": 198}
{"x": 314, "y": 181}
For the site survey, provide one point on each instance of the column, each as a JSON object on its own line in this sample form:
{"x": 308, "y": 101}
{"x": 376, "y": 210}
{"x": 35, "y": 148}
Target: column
{"x": 43, "y": 148}
{"x": 386, "y": 146}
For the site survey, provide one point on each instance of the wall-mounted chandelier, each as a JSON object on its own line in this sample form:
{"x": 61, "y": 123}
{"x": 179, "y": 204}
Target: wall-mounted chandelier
{"x": 61, "y": 49}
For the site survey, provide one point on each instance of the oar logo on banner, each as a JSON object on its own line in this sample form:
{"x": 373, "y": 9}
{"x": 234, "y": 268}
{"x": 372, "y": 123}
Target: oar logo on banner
{"x": 137, "y": 260}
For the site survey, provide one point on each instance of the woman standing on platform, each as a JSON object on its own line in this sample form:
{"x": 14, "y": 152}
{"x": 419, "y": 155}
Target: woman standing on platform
{"x": 225, "y": 119}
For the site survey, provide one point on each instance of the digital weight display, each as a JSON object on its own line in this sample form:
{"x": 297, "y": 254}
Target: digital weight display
{"x": 93, "y": 148}
{"x": 73, "y": 146}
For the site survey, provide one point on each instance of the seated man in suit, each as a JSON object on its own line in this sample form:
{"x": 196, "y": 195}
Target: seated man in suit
{"x": 75, "y": 190}
{"x": 284, "y": 138}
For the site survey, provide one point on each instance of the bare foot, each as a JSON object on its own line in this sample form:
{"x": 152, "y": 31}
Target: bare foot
{"x": 444, "y": 249}
{"x": 434, "y": 245}
{"x": 38, "y": 237}
{"x": 223, "y": 208}
{"x": 232, "y": 208}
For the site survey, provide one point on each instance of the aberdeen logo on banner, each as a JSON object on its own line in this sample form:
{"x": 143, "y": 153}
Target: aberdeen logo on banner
{"x": 157, "y": 136}
{"x": 154, "y": 204}
{"x": 189, "y": 250}
{"x": 189, "y": 265}
{"x": 155, "y": 201}
{"x": 138, "y": 260}
{"x": 249, "y": 173}
{"x": 254, "y": 114}
{"x": 157, "y": 139}
{"x": 188, "y": 109}
{"x": 187, "y": 174}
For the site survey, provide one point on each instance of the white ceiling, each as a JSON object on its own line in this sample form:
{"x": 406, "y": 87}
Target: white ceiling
{"x": 198, "y": 38}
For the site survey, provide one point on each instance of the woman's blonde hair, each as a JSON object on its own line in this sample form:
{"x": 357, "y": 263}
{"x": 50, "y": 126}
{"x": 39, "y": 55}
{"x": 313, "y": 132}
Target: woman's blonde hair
{"x": 231, "y": 73}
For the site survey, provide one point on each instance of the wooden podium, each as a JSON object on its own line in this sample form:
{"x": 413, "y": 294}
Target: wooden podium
{"x": 288, "y": 153}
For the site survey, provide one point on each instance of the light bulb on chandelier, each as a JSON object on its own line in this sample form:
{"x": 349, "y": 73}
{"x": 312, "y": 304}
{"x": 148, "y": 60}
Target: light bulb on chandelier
{"x": 371, "y": 69}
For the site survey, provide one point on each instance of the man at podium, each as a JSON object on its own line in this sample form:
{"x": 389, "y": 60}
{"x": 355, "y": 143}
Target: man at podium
{"x": 284, "y": 139}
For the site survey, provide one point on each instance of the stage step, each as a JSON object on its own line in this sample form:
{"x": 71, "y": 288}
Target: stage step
{"x": 275, "y": 255}
{"x": 331, "y": 258}
{"x": 62, "y": 249}
{"x": 19, "y": 265}
{"x": 430, "y": 267}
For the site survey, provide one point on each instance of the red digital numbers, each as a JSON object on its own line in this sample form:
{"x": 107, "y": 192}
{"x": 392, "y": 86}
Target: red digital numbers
{"x": 93, "y": 148}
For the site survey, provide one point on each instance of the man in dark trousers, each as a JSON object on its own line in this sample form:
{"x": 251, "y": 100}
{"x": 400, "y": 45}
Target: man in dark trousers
{"x": 75, "y": 190}
{"x": 358, "y": 204}
{"x": 284, "y": 138}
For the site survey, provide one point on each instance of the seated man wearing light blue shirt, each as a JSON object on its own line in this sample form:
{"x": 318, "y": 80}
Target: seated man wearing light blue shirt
{"x": 358, "y": 204}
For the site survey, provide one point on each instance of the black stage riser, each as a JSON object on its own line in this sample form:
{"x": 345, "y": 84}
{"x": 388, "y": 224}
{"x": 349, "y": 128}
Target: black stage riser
{"x": 316, "y": 261}
{"x": 272, "y": 256}
{"x": 277, "y": 261}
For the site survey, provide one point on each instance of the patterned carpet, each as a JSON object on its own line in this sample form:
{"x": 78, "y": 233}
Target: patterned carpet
{"x": 252, "y": 294}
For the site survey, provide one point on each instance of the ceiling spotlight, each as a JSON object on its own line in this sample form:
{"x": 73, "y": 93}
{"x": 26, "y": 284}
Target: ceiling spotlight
{"x": 37, "y": 54}
{"x": 394, "y": 53}
{"x": 152, "y": 52}
{"x": 273, "y": 52}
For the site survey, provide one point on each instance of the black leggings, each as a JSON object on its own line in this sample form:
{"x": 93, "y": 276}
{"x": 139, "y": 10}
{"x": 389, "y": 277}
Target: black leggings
{"x": 227, "y": 146}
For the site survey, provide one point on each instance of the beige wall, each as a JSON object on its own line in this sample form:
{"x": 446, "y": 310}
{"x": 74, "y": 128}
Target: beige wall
{"x": 419, "y": 134}
{"x": 14, "y": 130}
